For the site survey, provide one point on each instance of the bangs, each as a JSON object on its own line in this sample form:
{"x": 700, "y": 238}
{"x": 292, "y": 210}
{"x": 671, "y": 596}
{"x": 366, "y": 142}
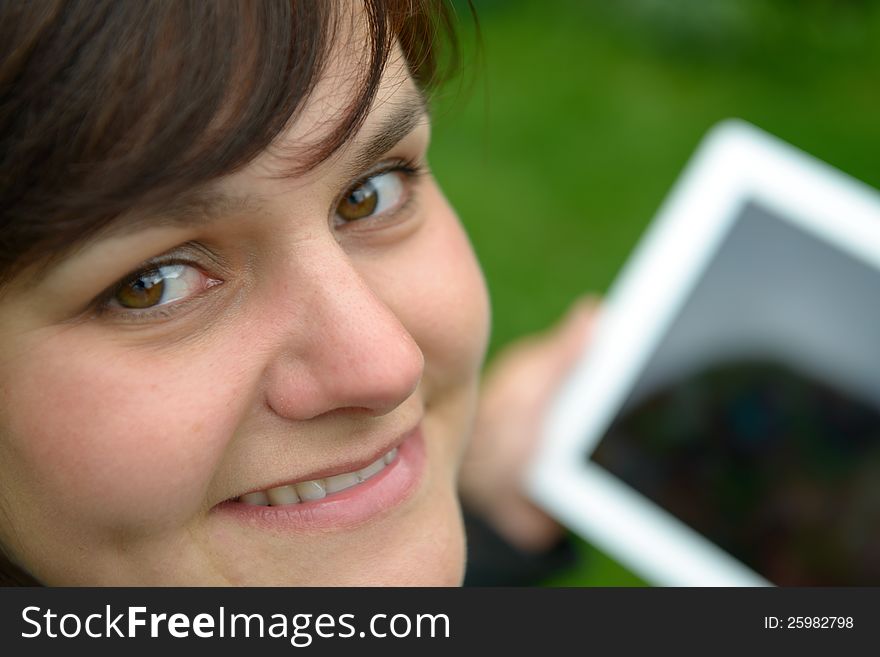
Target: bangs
{"x": 109, "y": 106}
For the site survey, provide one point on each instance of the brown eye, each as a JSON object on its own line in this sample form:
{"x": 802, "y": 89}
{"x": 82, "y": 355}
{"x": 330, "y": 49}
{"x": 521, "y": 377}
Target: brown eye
{"x": 359, "y": 203}
{"x": 142, "y": 292}
{"x": 378, "y": 194}
{"x": 158, "y": 286}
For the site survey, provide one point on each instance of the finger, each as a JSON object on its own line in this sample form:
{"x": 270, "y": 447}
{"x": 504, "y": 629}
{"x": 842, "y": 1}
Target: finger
{"x": 572, "y": 333}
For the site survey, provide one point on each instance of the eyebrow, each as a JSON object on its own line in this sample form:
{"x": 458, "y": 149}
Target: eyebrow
{"x": 205, "y": 205}
{"x": 402, "y": 120}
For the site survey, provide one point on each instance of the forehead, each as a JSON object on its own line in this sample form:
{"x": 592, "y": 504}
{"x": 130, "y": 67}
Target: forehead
{"x": 346, "y": 70}
{"x": 398, "y": 105}
{"x": 397, "y": 108}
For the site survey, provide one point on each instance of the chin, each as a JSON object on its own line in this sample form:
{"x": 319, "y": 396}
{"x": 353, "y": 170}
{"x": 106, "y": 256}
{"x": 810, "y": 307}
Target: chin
{"x": 428, "y": 552}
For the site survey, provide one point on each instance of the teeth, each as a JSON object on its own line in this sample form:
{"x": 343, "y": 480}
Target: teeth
{"x": 258, "y": 499}
{"x": 374, "y": 468}
{"x": 282, "y": 495}
{"x": 311, "y": 490}
{"x": 340, "y": 482}
{"x": 306, "y": 491}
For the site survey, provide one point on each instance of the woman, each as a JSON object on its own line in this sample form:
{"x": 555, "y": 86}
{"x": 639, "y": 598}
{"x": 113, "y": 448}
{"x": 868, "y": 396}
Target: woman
{"x": 241, "y": 329}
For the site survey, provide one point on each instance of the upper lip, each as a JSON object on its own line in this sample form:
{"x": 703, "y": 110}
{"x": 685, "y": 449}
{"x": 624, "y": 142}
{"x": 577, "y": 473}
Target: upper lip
{"x": 351, "y": 465}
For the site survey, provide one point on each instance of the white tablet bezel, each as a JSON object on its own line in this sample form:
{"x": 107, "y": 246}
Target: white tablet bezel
{"x": 735, "y": 164}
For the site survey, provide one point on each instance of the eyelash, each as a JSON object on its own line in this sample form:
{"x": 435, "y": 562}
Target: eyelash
{"x": 101, "y": 307}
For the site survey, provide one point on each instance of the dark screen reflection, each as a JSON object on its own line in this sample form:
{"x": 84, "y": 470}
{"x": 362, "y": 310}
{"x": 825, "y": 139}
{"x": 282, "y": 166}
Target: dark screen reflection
{"x": 780, "y": 470}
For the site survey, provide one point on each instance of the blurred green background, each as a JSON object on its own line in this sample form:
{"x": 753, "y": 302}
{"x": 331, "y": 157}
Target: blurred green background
{"x": 576, "y": 116}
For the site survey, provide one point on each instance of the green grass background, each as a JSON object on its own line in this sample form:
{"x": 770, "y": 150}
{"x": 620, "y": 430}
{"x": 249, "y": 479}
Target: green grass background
{"x": 575, "y": 117}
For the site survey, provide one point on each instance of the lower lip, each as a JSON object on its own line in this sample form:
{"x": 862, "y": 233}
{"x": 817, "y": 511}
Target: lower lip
{"x": 348, "y": 508}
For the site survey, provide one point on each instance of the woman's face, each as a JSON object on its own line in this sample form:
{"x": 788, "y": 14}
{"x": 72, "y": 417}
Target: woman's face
{"x": 289, "y": 335}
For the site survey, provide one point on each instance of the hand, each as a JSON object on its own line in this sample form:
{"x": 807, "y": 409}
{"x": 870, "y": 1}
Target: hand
{"x": 517, "y": 388}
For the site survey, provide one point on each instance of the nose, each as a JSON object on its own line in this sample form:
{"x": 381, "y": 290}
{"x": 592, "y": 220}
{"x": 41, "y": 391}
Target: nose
{"x": 345, "y": 348}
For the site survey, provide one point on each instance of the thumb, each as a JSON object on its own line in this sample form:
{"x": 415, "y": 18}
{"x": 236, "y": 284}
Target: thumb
{"x": 569, "y": 337}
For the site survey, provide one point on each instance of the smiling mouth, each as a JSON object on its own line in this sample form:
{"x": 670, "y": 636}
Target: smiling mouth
{"x": 337, "y": 500}
{"x": 317, "y": 489}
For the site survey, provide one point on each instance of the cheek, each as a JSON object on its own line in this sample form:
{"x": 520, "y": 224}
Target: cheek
{"x": 120, "y": 436}
{"x": 444, "y": 302}
{"x": 434, "y": 285}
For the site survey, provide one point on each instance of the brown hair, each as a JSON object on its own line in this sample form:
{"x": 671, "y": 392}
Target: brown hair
{"x": 107, "y": 106}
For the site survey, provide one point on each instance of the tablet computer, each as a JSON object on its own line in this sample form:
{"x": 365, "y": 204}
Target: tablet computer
{"x": 723, "y": 427}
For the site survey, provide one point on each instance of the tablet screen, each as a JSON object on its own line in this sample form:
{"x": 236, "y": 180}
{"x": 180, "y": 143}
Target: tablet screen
{"x": 756, "y": 421}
